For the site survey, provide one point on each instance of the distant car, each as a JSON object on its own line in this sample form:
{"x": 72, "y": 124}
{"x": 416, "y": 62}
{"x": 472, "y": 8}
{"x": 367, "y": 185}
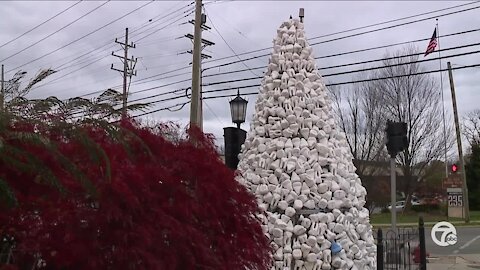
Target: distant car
{"x": 400, "y": 205}
{"x": 415, "y": 201}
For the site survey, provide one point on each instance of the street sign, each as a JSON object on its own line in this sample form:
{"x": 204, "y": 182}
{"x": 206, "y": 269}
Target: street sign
{"x": 455, "y": 197}
{"x": 452, "y": 181}
{"x": 455, "y": 202}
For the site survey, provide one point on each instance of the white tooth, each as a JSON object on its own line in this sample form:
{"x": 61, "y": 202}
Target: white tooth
{"x": 297, "y": 204}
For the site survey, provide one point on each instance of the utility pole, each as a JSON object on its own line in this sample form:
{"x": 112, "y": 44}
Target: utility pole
{"x": 2, "y": 92}
{"x": 196, "y": 62}
{"x": 198, "y": 45}
{"x": 128, "y": 69}
{"x": 459, "y": 145}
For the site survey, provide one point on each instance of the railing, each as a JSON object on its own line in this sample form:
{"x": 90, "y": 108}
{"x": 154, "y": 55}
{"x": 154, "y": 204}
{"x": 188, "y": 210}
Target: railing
{"x": 403, "y": 249}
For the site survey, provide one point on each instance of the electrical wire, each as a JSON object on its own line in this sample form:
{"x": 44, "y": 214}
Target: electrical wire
{"x": 42, "y": 23}
{"x": 316, "y": 43}
{"x": 256, "y": 57}
{"x": 396, "y": 20}
{"x": 363, "y": 27}
{"x": 350, "y": 82}
{"x": 171, "y": 23}
{"x": 326, "y": 75}
{"x": 82, "y": 37}
{"x": 371, "y": 61}
{"x": 55, "y": 32}
{"x": 109, "y": 43}
{"x": 213, "y": 112}
{"x": 257, "y": 85}
{"x": 98, "y": 58}
{"x": 331, "y": 84}
{"x": 228, "y": 45}
{"x": 161, "y": 16}
{"x": 351, "y": 52}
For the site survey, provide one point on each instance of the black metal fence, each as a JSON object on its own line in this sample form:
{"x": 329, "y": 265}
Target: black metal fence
{"x": 403, "y": 249}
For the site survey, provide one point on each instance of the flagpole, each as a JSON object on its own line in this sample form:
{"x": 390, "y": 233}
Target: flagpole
{"x": 443, "y": 103}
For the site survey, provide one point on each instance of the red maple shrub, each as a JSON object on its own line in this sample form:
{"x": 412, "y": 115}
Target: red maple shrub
{"x": 137, "y": 201}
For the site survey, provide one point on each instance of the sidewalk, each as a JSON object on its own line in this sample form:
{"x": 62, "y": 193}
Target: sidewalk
{"x": 459, "y": 262}
{"x": 428, "y": 224}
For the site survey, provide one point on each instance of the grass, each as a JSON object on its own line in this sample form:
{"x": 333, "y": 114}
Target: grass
{"x": 412, "y": 217}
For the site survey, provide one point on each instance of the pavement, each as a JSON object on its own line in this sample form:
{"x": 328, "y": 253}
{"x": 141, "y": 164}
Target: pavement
{"x": 454, "y": 262}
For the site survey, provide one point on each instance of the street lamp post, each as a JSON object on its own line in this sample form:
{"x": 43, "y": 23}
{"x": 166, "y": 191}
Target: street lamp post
{"x": 235, "y": 137}
{"x": 238, "y": 109}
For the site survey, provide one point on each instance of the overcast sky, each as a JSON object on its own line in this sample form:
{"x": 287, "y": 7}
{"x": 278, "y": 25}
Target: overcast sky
{"x": 245, "y": 25}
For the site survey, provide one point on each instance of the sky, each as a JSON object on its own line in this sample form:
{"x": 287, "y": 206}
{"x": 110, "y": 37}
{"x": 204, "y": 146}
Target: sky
{"x": 79, "y": 42}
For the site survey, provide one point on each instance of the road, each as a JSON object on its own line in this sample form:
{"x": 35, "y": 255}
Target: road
{"x": 468, "y": 242}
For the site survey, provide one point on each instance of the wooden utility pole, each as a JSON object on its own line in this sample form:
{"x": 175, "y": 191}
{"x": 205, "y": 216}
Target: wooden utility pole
{"x": 459, "y": 145}
{"x": 196, "y": 68}
{"x": 2, "y": 92}
{"x": 128, "y": 68}
{"x": 204, "y": 43}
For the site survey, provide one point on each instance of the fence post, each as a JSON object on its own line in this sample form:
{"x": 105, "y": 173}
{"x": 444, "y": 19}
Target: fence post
{"x": 379, "y": 249}
{"x": 423, "y": 252}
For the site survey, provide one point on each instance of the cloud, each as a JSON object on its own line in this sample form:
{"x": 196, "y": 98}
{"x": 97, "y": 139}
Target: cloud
{"x": 245, "y": 25}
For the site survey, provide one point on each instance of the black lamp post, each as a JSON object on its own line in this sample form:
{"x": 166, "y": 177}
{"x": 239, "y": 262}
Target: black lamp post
{"x": 238, "y": 108}
{"x": 235, "y": 137}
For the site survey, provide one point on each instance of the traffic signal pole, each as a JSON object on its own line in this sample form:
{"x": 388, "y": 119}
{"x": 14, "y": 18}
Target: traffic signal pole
{"x": 393, "y": 193}
{"x": 396, "y": 142}
{"x": 459, "y": 145}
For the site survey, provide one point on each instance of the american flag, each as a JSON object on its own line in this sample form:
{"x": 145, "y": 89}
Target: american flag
{"x": 432, "y": 44}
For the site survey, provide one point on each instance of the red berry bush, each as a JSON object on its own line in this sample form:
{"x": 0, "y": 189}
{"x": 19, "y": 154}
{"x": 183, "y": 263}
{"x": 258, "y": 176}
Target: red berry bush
{"x": 122, "y": 197}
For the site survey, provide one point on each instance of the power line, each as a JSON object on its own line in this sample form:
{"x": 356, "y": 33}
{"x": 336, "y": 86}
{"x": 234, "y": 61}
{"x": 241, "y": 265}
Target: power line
{"x": 71, "y": 72}
{"x": 330, "y": 67}
{"x": 369, "y": 61}
{"x": 263, "y": 55}
{"x": 97, "y": 58}
{"x": 257, "y": 85}
{"x": 414, "y": 54}
{"x": 362, "y": 33}
{"x": 161, "y": 16}
{"x": 214, "y": 114}
{"x": 394, "y": 26}
{"x": 53, "y": 33}
{"x": 84, "y": 36}
{"x": 259, "y": 56}
{"x": 351, "y": 52}
{"x": 230, "y": 47}
{"x": 351, "y": 82}
{"x": 326, "y": 75}
{"x": 109, "y": 43}
{"x": 180, "y": 18}
{"x": 396, "y": 20}
{"x": 163, "y": 109}
{"x": 186, "y": 12}
{"x": 232, "y": 72}
{"x": 42, "y": 23}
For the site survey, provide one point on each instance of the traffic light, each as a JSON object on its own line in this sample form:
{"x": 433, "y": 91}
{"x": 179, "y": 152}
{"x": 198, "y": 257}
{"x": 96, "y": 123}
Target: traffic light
{"x": 396, "y": 137}
{"x": 454, "y": 168}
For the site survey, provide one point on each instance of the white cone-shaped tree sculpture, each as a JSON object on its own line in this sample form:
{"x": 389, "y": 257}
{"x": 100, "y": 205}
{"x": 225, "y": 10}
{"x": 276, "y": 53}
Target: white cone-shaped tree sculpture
{"x": 297, "y": 163}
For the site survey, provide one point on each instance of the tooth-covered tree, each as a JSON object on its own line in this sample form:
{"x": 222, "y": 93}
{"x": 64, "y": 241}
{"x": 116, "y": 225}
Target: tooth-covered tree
{"x": 297, "y": 163}
{"x": 102, "y": 196}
